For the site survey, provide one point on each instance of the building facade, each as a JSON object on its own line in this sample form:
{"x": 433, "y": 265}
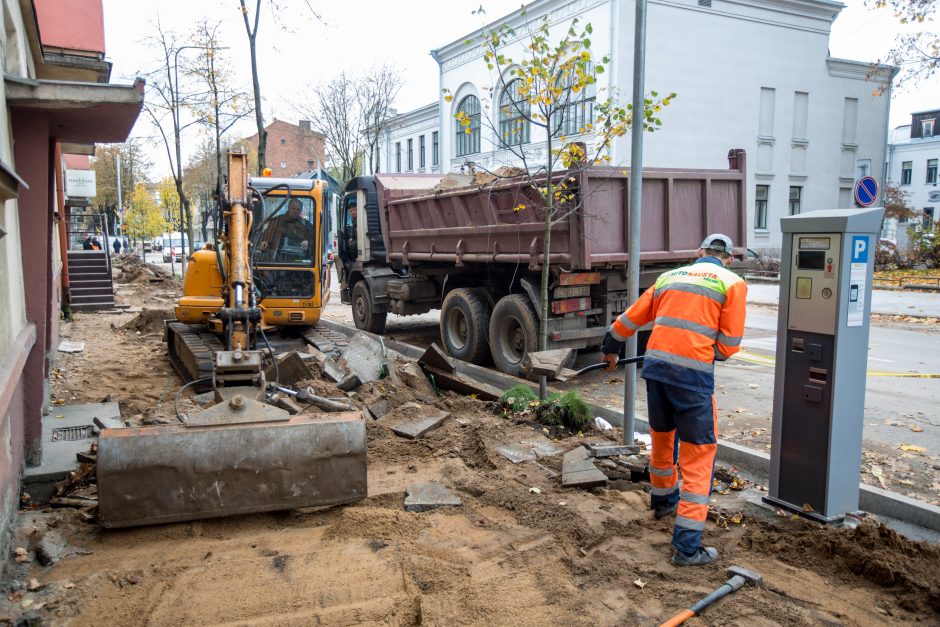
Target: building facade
{"x": 291, "y": 148}
{"x": 913, "y": 156}
{"x": 55, "y": 100}
{"x": 752, "y": 74}
{"x": 411, "y": 142}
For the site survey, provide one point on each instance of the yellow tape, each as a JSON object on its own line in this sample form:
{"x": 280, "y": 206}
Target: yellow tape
{"x": 761, "y": 360}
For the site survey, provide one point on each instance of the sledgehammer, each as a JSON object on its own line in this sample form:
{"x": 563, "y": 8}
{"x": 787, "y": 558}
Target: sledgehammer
{"x": 739, "y": 578}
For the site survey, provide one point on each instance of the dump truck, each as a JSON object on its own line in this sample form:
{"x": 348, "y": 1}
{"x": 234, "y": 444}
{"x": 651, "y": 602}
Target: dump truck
{"x": 409, "y": 244}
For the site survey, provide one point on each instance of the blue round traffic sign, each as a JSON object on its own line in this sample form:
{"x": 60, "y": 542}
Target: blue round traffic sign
{"x": 866, "y": 191}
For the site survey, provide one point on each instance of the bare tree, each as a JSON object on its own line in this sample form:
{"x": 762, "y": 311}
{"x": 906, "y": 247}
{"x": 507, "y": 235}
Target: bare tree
{"x": 334, "y": 113}
{"x": 251, "y": 29}
{"x": 375, "y": 93}
{"x": 917, "y": 54}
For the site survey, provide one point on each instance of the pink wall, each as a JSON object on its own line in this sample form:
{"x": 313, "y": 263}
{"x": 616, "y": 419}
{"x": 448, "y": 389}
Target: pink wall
{"x": 71, "y": 24}
{"x": 33, "y": 158}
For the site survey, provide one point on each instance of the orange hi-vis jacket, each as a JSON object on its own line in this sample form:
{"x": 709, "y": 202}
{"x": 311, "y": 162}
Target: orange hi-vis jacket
{"x": 697, "y": 313}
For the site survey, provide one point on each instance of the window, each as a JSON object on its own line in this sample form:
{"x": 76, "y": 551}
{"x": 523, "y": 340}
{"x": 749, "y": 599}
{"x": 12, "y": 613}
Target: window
{"x": 928, "y": 217}
{"x": 906, "y": 170}
{"x": 398, "y": 156}
{"x": 411, "y": 155}
{"x": 932, "y": 171}
{"x": 283, "y": 141}
{"x": 795, "y": 194}
{"x": 513, "y": 115}
{"x": 760, "y": 206}
{"x": 435, "y": 149}
{"x": 421, "y": 152}
{"x": 574, "y": 117}
{"x": 926, "y": 128}
{"x": 468, "y": 126}
{"x": 283, "y": 164}
{"x": 310, "y": 163}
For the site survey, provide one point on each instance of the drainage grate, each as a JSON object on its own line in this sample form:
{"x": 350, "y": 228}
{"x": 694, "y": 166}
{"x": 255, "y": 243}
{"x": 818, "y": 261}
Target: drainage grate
{"x": 70, "y": 434}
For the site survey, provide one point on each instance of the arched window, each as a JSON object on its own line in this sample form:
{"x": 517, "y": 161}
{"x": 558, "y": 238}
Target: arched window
{"x": 468, "y": 137}
{"x": 513, "y": 115}
{"x": 573, "y": 118}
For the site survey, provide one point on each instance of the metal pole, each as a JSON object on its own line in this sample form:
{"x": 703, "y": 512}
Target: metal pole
{"x": 179, "y": 165}
{"x": 120, "y": 205}
{"x": 636, "y": 204}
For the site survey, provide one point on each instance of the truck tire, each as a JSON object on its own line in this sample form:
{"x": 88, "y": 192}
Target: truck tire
{"x": 465, "y": 323}
{"x": 363, "y": 310}
{"x": 514, "y": 332}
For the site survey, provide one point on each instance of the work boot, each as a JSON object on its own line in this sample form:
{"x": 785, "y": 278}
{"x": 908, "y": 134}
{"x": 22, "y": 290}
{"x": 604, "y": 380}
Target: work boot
{"x": 661, "y": 511}
{"x": 703, "y": 556}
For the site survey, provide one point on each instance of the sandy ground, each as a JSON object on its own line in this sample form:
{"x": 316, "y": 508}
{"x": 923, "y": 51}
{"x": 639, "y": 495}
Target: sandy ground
{"x": 508, "y": 555}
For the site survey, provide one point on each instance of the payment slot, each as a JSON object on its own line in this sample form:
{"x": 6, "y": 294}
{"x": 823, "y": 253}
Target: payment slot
{"x": 822, "y": 352}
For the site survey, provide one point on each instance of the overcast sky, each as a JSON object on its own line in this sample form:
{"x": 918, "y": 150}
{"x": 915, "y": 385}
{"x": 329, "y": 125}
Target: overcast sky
{"x": 356, "y": 34}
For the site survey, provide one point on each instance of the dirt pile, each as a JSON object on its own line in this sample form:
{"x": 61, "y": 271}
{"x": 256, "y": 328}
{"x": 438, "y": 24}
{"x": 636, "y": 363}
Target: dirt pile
{"x": 149, "y": 321}
{"x": 134, "y": 270}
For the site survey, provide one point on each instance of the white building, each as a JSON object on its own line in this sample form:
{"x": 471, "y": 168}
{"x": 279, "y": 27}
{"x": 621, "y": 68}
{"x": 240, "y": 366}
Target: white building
{"x": 752, "y": 74}
{"x": 411, "y": 142}
{"x": 913, "y": 156}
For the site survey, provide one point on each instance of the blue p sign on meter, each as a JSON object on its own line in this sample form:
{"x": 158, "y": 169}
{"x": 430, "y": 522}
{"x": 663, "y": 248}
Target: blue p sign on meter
{"x": 866, "y": 191}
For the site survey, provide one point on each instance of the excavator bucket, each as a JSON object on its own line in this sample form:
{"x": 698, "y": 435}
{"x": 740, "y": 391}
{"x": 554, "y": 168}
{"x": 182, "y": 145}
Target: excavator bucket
{"x": 217, "y": 466}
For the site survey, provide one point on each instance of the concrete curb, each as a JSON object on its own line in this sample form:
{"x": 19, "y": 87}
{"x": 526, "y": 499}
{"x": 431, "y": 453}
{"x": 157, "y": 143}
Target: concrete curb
{"x": 871, "y": 499}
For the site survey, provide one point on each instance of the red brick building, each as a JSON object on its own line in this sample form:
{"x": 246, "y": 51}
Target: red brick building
{"x": 292, "y": 148}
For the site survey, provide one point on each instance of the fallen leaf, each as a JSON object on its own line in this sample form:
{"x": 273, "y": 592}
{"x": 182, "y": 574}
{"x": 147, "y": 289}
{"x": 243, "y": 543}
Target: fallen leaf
{"x": 912, "y": 449}
{"x": 33, "y": 584}
{"x": 905, "y": 482}
{"x": 639, "y": 583}
{"x": 915, "y": 428}
{"x": 736, "y": 518}
{"x": 808, "y": 508}
{"x": 879, "y": 475}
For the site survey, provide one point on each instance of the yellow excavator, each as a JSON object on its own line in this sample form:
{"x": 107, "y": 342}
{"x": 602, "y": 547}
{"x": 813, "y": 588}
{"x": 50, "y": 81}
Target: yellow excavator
{"x": 268, "y": 272}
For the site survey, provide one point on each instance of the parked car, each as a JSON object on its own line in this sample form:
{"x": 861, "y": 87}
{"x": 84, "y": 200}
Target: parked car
{"x": 148, "y": 247}
{"x": 173, "y": 248}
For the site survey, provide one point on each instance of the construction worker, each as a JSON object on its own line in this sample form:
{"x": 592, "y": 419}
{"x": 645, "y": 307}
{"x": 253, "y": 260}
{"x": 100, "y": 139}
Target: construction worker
{"x": 697, "y": 313}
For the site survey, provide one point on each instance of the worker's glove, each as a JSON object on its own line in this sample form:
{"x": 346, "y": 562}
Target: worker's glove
{"x": 612, "y": 346}
{"x": 611, "y": 361}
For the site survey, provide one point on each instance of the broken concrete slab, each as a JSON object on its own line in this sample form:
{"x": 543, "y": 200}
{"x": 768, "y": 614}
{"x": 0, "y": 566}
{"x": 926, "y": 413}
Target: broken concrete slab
{"x": 414, "y": 427}
{"x": 366, "y": 357}
{"x": 412, "y": 376}
{"x": 606, "y": 448}
{"x": 50, "y": 547}
{"x": 578, "y": 471}
{"x": 435, "y": 357}
{"x": 333, "y": 371}
{"x": 566, "y": 374}
{"x": 462, "y": 384}
{"x": 379, "y": 409}
{"x": 350, "y": 383}
{"x": 290, "y": 369}
{"x": 516, "y": 453}
{"x": 548, "y": 363}
{"x": 67, "y": 346}
{"x": 546, "y": 448}
{"x": 424, "y": 497}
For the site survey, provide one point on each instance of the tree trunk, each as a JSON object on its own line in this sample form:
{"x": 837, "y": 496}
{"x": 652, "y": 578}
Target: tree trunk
{"x": 256, "y": 84}
{"x": 546, "y": 251}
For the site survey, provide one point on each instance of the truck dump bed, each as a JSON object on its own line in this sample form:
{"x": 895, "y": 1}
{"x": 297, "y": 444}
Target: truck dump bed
{"x": 481, "y": 224}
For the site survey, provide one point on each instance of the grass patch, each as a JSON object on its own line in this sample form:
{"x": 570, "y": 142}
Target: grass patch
{"x": 518, "y": 397}
{"x": 568, "y": 410}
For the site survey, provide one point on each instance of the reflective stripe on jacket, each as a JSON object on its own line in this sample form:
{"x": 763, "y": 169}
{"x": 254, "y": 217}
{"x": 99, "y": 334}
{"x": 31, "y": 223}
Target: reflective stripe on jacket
{"x": 698, "y": 314}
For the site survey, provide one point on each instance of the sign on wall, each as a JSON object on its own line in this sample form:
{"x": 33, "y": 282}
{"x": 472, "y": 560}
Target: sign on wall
{"x": 80, "y": 183}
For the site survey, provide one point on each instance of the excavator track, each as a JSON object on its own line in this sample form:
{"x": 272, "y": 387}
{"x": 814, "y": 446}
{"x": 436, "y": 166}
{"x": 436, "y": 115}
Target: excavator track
{"x": 191, "y": 349}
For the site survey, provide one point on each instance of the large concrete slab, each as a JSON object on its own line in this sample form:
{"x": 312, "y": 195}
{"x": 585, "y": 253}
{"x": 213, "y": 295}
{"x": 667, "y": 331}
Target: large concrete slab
{"x": 423, "y": 497}
{"x": 366, "y": 357}
{"x": 415, "y": 427}
{"x": 66, "y": 431}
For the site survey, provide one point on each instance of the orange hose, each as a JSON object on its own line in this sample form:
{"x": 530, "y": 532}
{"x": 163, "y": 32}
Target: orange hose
{"x": 679, "y": 618}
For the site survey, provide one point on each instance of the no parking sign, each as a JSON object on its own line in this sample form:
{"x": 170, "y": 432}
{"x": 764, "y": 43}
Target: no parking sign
{"x": 866, "y": 191}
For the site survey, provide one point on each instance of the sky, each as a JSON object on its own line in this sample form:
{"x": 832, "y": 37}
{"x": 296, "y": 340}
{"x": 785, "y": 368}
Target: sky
{"x": 298, "y": 50}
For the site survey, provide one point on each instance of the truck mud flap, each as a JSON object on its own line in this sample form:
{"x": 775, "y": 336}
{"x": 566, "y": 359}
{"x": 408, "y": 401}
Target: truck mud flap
{"x": 172, "y": 473}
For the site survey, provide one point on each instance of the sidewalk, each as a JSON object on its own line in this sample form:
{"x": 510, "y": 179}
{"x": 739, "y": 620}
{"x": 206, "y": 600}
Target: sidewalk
{"x": 887, "y": 302}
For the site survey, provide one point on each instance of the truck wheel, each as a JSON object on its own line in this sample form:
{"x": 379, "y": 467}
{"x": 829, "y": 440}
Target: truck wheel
{"x": 363, "y": 310}
{"x": 465, "y": 322}
{"x": 514, "y": 332}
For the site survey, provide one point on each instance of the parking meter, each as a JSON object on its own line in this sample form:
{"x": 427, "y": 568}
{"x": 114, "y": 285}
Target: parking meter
{"x": 822, "y": 354}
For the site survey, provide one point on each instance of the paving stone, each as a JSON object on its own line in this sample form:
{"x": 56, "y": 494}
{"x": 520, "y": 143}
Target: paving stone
{"x": 578, "y": 471}
{"x": 333, "y": 371}
{"x": 414, "y": 428}
{"x": 411, "y": 375}
{"x": 435, "y": 357}
{"x": 423, "y": 497}
{"x": 350, "y": 383}
{"x": 290, "y": 369}
{"x": 365, "y": 356}
{"x": 548, "y": 363}
{"x": 379, "y": 409}
{"x": 609, "y": 449}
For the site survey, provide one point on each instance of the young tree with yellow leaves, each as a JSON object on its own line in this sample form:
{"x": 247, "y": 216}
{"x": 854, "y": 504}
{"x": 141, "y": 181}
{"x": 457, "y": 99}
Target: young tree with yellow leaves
{"x": 547, "y": 88}
{"x": 143, "y": 218}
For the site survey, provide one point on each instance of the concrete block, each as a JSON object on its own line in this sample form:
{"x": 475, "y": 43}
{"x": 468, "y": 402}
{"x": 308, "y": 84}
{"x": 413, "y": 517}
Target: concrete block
{"x": 333, "y": 371}
{"x": 378, "y": 409}
{"x": 423, "y": 497}
{"x": 435, "y": 357}
{"x": 607, "y": 448}
{"x": 578, "y": 471}
{"x": 463, "y": 384}
{"x": 350, "y": 383}
{"x": 290, "y": 369}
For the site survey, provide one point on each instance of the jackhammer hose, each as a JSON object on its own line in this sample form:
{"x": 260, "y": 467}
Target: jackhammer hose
{"x": 620, "y": 362}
